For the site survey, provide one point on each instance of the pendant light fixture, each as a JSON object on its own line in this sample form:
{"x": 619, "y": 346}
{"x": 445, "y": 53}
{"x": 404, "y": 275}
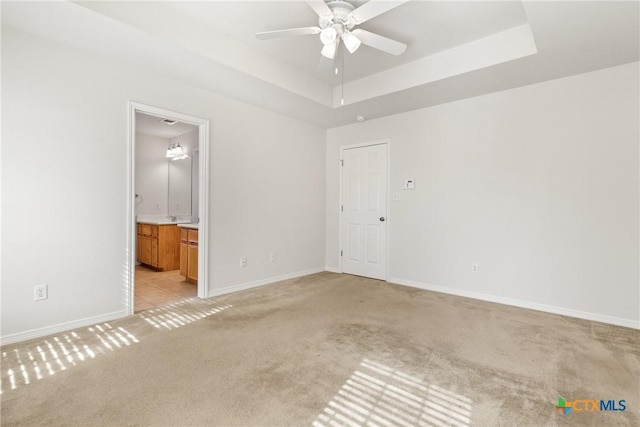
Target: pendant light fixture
{"x": 175, "y": 150}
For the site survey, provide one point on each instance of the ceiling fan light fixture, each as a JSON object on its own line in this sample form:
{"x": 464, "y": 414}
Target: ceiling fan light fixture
{"x": 325, "y": 21}
{"x": 328, "y": 36}
{"x": 338, "y": 19}
{"x": 329, "y": 50}
{"x": 351, "y": 42}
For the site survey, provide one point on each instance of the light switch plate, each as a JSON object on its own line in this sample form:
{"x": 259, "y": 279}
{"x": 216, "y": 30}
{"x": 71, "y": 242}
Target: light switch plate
{"x": 409, "y": 184}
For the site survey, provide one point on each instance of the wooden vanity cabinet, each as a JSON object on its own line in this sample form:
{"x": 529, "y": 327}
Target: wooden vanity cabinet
{"x": 158, "y": 246}
{"x": 189, "y": 254}
{"x": 147, "y": 246}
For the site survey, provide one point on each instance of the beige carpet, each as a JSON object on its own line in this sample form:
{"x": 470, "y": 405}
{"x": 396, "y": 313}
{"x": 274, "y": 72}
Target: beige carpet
{"x": 325, "y": 350}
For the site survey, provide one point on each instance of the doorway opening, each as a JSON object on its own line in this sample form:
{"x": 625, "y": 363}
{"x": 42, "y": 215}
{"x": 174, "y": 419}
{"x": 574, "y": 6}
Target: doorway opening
{"x": 168, "y": 186}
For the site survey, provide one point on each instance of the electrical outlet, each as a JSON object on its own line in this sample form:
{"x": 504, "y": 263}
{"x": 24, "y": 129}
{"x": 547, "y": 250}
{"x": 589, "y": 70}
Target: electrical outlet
{"x": 475, "y": 268}
{"x": 272, "y": 257}
{"x": 243, "y": 261}
{"x": 40, "y": 292}
{"x": 157, "y": 205}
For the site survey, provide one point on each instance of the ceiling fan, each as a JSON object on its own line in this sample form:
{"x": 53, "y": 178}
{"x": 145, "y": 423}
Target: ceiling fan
{"x": 337, "y": 20}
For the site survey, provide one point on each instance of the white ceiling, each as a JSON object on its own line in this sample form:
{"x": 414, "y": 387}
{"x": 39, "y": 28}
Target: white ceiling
{"x": 456, "y": 49}
{"x": 441, "y": 26}
{"x": 152, "y": 125}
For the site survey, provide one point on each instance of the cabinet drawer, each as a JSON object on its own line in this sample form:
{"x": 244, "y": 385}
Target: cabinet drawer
{"x": 193, "y": 236}
{"x": 148, "y": 230}
{"x": 184, "y": 234}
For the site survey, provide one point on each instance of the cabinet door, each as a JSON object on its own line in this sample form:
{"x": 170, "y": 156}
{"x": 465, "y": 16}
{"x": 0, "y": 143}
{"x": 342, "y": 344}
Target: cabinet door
{"x": 139, "y": 248}
{"x": 193, "y": 262}
{"x": 147, "y": 247}
{"x": 154, "y": 252}
{"x": 144, "y": 250}
{"x": 168, "y": 247}
{"x": 184, "y": 260}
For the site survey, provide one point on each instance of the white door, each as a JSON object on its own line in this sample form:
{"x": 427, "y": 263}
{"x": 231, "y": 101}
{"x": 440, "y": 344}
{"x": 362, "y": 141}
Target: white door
{"x": 364, "y": 211}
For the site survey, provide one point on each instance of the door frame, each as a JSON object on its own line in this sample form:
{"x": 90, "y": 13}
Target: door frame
{"x": 203, "y": 193}
{"x": 387, "y": 144}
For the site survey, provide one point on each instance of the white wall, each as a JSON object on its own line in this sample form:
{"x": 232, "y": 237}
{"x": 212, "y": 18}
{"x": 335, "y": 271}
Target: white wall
{"x": 64, "y": 139}
{"x": 184, "y": 174}
{"x": 157, "y": 176}
{"x": 539, "y": 185}
{"x": 188, "y": 141}
{"x": 165, "y": 186}
{"x": 152, "y": 177}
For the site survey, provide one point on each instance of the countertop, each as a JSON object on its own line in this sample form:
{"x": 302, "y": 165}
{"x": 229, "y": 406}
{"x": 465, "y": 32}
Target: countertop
{"x": 192, "y": 226}
{"x": 163, "y": 222}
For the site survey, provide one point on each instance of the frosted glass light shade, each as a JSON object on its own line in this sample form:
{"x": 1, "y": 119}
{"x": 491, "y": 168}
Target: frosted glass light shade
{"x": 174, "y": 151}
{"x": 351, "y": 42}
{"x": 328, "y": 36}
{"x": 329, "y": 50}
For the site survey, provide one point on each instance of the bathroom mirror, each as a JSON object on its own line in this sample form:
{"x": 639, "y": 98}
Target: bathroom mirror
{"x": 179, "y": 196}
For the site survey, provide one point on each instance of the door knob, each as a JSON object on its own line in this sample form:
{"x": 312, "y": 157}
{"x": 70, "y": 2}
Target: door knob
{"x": 381, "y": 219}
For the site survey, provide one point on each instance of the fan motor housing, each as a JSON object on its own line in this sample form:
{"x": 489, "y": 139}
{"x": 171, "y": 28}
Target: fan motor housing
{"x": 340, "y": 10}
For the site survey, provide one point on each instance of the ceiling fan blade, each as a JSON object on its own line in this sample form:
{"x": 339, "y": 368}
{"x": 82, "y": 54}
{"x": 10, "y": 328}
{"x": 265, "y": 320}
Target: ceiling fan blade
{"x": 379, "y": 42}
{"x": 373, "y": 8}
{"x": 288, "y": 33}
{"x": 320, "y": 7}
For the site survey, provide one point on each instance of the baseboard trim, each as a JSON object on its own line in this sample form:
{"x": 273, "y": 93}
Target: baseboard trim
{"x": 262, "y": 282}
{"x": 331, "y": 269}
{"x": 61, "y": 327}
{"x": 520, "y": 303}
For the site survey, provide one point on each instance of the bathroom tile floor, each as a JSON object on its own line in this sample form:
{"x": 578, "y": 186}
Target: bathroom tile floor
{"x": 155, "y": 289}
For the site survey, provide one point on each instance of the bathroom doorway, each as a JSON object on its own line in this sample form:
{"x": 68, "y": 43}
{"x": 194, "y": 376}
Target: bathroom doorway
{"x": 168, "y": 192}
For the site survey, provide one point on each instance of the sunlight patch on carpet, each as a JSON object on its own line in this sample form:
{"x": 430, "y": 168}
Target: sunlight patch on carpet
{"x": 173, "y": 316}
{"x": 377, "y": 395}
{"x": 53, "y": 354}
{"x": 22, "y": 365}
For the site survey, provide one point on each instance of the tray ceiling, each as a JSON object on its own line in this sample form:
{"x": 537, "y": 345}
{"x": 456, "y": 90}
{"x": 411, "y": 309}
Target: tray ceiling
{"x": 456, "y": 49}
